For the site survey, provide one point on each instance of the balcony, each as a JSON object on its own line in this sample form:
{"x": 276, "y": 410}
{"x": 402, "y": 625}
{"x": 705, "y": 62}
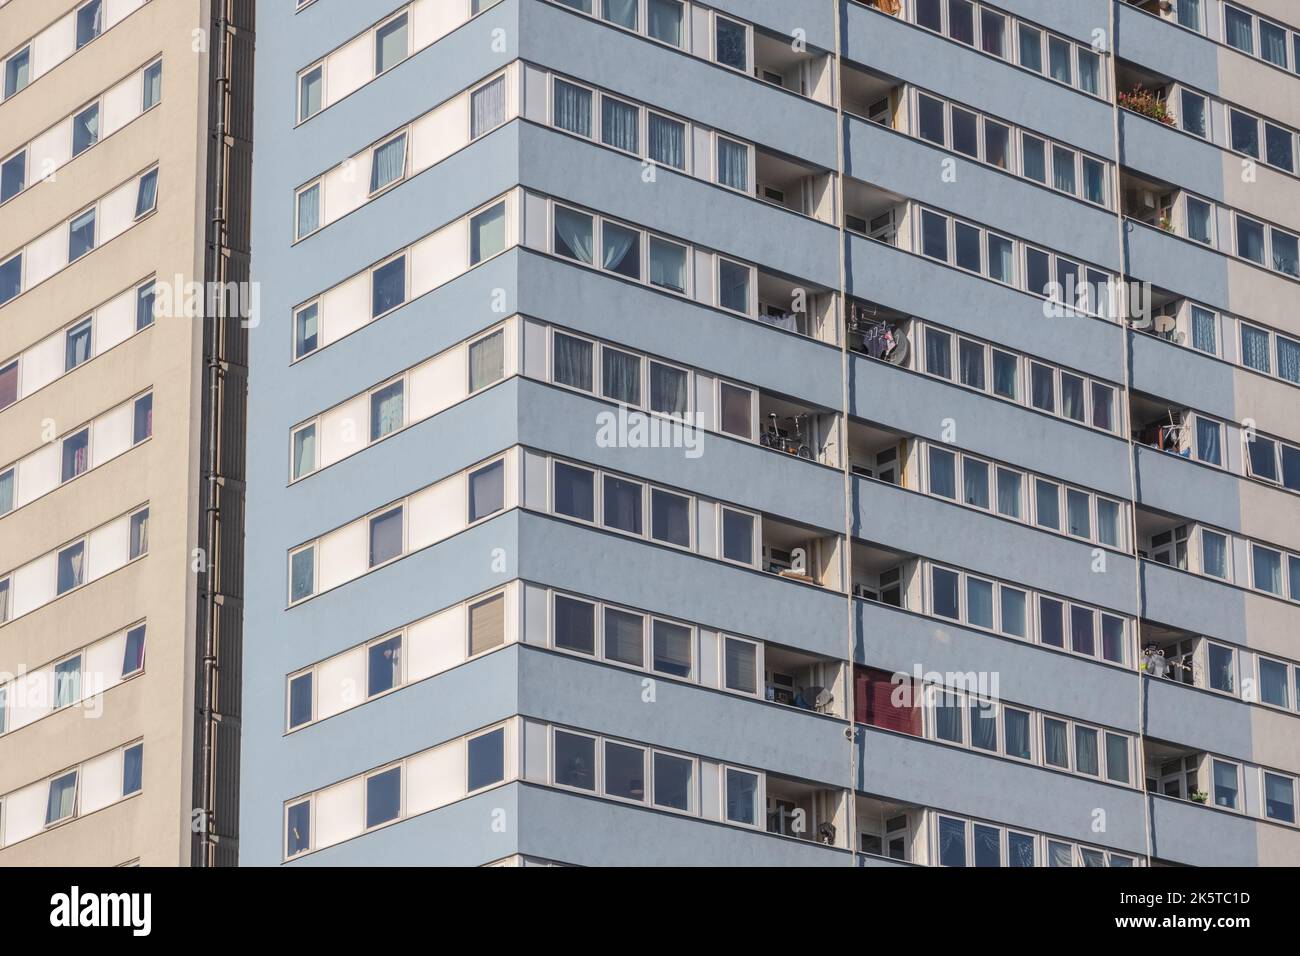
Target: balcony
{"x": 890, "y": 832}
{"x": 800, "y": 554}
{"x": 805, "y": 811}
{"x": 806, "y": 73}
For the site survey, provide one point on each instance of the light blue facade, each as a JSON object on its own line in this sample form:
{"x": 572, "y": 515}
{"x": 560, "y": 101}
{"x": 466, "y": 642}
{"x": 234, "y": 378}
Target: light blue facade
{"x": 831, "y": 752}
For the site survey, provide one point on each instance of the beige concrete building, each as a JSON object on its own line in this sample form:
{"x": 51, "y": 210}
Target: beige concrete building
{"x": 119, "y": 451}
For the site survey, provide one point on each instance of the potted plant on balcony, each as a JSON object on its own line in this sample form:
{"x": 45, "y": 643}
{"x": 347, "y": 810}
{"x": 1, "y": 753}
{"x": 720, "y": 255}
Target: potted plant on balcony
{"x": 892, "y": 7}
{"x": 1147, "y": 103}
{"x": 1198, "y": 796}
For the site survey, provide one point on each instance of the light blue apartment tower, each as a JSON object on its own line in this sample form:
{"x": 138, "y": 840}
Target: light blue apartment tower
{"x": 774, "y": 432}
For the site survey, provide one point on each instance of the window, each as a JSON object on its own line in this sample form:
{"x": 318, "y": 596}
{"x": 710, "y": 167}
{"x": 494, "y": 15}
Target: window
{"x": 1056, "y": 743}
{"x": 487, "y": 624}
{"x": 575, "y": 625}
{"x": 952, "y": 841}
{"x": 667, "y": 264}
{"x": 1117, "y": 758}
{"x": 1078, "y": 507}
{"x": 90, "y": 22}
{"x": 1108, "y": 531}
{"x": 733, "y": 164}
{"x": 970, "y": 361}
{"x": 1193, "y": 115}
{"x": 737, "y": 536}
{"x": 383, "y": 797}
{"x": 624, "y": 768}
{"x": 1038, "y": 272}
{"x": 624, "y": 637}
{"x": 943, "y": 477}
{"x": 81, "y": 235}
{"x": 741, "y": 796}
{"x": 965, "y": 132}
{"x": 11, "y": 278}
{"x": 1250, "y": 240}
{"x": 1279, "y": 797}
{"x": 1058, "y": 59}
{"x": 993, "y": 31}
{"x": 85, "y": 129}
{"x": 1254, "y": 348}
{"x": 1072, "y": 397}
{"x": 1245, "y": 133}
{"x": 1261, "y": 454}
{"x": 486, "y": 760}
{"x": 1001, "y": 260}
{"x": 929, "y": 14}
{"x": 388, "y": 163}
{"x": 487, "y": 361}
{"x": 1112, "y": 638}
{"x": 487, "y": 107}
{"x": 571, "y": 108}
{"x": 1239, "y": 29}
{"x": 487, "y": 490}
{"x": 1031, "y": 48}
{"x": 1042, "y": 381}
{"x": 1214, "y": 554}
{"x": 62, "y": 800}
{"x": 8, "y": 384}
{"x": 67, "y": 682}
{"x": 1063, "y": 169}
{"x": 302, "y": 574}
{"x": 1272, "y": 43}
{"x": 1267, "y": 565}
{"x": 297, "y": 829}
{"x": 1089, "y": 72}
{"x": 948, "y": 717}
{"x": 997, "y": 144}
{"x": 620, "y": 122}
{"x": 383, "y": 665}
{"x": 1051, "y": 624}
{"x": 13, "y": 176}
{"x": 573, "y": 234}
{"x": 736, "y": 415}
{"x": 945, "y": 600}
{"x": 1015, "y": 733}
{"x": 966, "y": 246}
{"x": 386, "y": 410}
{"x": 1086, "y": 757}
{"x": 71, "y": 567}
{"x": 1288, "y": 367}
{"x": 132, "y": 769}
{"x": 1225, "y": 784}
{"x": 18, "y": 71}
{"x": 622, "y": 505}
{"x": 1103, "y": 403}
{"x": 389, "y": 287}
{"x": 979, "y": 603}
{"x": 934, "y": 235}
{"x": 671, "y": 648}
{"x": 983, "y": 725}
{"x": 77, "y": 345}
{"x": 938, "y": 353}
{"x": 670, "y": 518}
{"x": 669, "y": 388}
{"x": 1033, "y": 153}
{"x": 673, "y": 779}
{"x": 304, "y": 330}
{"x": 621, "y": 250}
{"x": 1279, "y": 147}
{"x": 575, "y": 760}
{"x": 961, "y": 21}
{"x": 664, "y": 21}
{"x": 931, "y": 123}
{"x": 740, "y": 665}
{"x": 1199, "y": 220}
{"x": 153, "y": 86}
{"x": 733, "y": 286}
{"x": 300, "y": 700}
{"x": 574, "y": 492}
{"x": 572, "y": 362}
{"x": 390, "y": 44}
{"x": 1273, "y": 682}
{"x": 731, "y": 46}
{"x": 311, "y": 88}
{"x": 1189, "y": 14}
{"x": 1286, "y": 252}
{"x": 1082, "y": 624}
{"x": 76, "y": 454}
{"x": 309, "y": 210}
{"x": 385, "y": 536}
{"x": 6, "y": 496}
{"x": 1009, "y": 493}
{"x": 139, "y": 534}
{"x": 667, "y": 136}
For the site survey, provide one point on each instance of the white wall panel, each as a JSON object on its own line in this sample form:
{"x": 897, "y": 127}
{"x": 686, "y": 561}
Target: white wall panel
{"x": 437, "y": 135}
{"x": 25, "y": 812}
{"x": 111, "y": 434}
{"x": 437, "y": 512}
{"x": 438, "y": 384}
{"x": 122, "y": 103}
{"x": 49, "y": 151}
{"x": 33, "y": 584}
{"x": 344, "y": 430}
{"x": 340, "y": 812}
{"x": 101, "y": 782}
{"x": 103, "y": 665}
{"x": 115, "y": 321}
{"x": 42, "y": 363}
{"x": 345, "y": 308}
{"x": 440, "y": 257}
{"x": 39, "y": 473}
{"x": 115, "y": 11}
{"x": 31, "y": 697}
{"x": 348, "y": 68}
{"x": 107, "y": 548}
{"x": 436, "y": 644}
{"x": 117, "y": 211}
{"x": 346, "y": 187}
{"x": 433, "y": 19}
{"x": 340, "y": 683}
{"x": 53, "y": 45}
{"x": 46, "y": 256}
{"x": 435, "y": 778}
{"x": 342, "y": 555}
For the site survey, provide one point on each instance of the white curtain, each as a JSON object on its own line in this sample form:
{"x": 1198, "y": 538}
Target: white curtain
{"x": 668, "y": 265}
{"x": 309, "y": 211}
{"x": 1288, "y": 359}
{"x": 573, "y": 235}
{"x": 487, "y": 233}
{"x": 488, "y": 108}
{"x": 389, "y": 163}
{"x": 1009, "y": 493}
{"x": 665, "y": 21}
{"x": 667, "y": 141}
{"x": 1254, "y": 348}
{"x": 618, "y": 241}
{"x": 486, "y": 361}
{"x": 733, "y": 164}
{"x": 572, "y": 108}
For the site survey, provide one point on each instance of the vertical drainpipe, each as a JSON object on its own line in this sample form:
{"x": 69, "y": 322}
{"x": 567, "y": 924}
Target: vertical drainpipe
{"x": 846, "y": 561}
{"x": 1127, "y": 340}
{"x": 216, "y": 272}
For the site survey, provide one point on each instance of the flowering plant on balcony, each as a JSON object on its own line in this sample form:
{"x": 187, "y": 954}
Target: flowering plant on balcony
{"x": 1146, "y": 102}
{"x": 1199, "y": 796}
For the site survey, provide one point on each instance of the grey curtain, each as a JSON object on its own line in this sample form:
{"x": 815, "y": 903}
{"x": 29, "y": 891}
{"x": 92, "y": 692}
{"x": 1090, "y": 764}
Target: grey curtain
{"x": 665, "y": 21}
{"x": 667, "y": 141}
{"x": 975, "y": 483}
{"x": 1056, "y": 743}
{"x": 1207, "y": 441}
{"x": 733, "y": 164}
{"x": 621, "y": 376}
{"x": 667, "y": 389}
{"x": 1015, "y": 732}
{"x": 948, "y": 720}
{"x": 622, "y": 12}
{"x": 667, "y": 265}
{"x": 152, "y": 85}
{"x": 1063, "y": 169}
{"x": 1072, "y": 397}
{"x": 1009, "y": 483}
{"x": 486, "y": 361}
{"x": 389, "y": 163}
{"x": 67, "y": 682}
{"x": 1085, "y": 750}
{"x": 488, "y": 108}
{"x": 1189, "y": 14}
{"x": 1272, "y": 44}
{"x": 572, "y": 108}
{"x": 619, "y": 124}
{"x": 938, "y": 359}
{"x": 572, "y": 362}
